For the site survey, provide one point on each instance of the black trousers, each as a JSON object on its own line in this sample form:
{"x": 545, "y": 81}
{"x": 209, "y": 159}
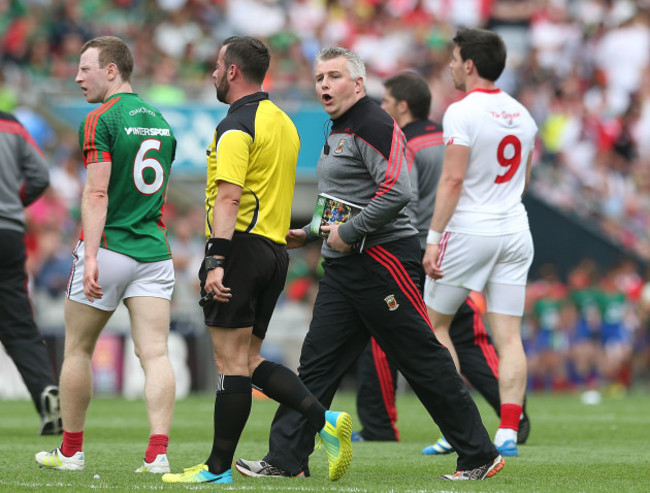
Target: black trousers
{"x": 18, "y": 331}
{"x": 377, "y": 376}
{"x": 376, "y": 294}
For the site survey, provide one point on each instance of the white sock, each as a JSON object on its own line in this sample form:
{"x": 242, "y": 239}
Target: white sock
{"x": 503, "y": 435}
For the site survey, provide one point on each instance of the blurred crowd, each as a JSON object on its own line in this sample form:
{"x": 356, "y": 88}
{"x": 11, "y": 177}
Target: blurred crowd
{"x": 582, "y": 67}
{"x": 590, "y": 331}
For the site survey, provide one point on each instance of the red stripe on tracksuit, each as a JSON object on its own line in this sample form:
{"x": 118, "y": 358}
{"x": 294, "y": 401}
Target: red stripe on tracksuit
{"x": 481, "y": 340}
{"x": 403, "y": 279}
{"x": 418, "y": 143}
{"x": 17, "y": 128}
{"x": 394, "y": 162}
{"x": 386, "y": 384}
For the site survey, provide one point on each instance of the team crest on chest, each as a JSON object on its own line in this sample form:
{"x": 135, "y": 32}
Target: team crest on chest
{"x": 391, "y": 302}
{"x": 339, "y": 147}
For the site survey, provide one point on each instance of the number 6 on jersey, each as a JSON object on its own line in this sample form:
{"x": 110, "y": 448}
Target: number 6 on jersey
{"x": 141, "y": 164}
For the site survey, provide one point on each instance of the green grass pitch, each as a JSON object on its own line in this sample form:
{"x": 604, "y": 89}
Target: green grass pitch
{"x": 573, "y": 447}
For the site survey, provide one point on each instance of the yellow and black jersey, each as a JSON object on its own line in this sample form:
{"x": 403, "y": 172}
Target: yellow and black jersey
{"x": 256, "y": 147}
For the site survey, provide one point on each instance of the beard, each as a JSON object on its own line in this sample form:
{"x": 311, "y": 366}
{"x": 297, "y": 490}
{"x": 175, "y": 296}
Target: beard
{"x": 223, "y": 86}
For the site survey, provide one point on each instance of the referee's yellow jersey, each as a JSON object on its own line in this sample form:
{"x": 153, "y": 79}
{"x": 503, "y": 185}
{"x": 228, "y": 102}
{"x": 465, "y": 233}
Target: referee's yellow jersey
{"x": 256, "y": 147}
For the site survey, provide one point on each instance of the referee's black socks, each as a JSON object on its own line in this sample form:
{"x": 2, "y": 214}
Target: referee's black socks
{"x": 232, "y": 407}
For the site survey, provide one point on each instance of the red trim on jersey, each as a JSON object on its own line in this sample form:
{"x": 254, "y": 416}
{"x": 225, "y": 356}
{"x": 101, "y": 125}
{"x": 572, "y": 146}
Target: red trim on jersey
{"x": 90, "y": 129}
{"x": 481, "y": 339}
{"x": 404, "y": 281}
{"x": 72, "y": 269}
{"x": 386, "y": 383}
{"x": 17, "y": 129}
{"x": 163, "y": 229}
{"x": 486, "y": 91}
{"x": 443, "y": 246}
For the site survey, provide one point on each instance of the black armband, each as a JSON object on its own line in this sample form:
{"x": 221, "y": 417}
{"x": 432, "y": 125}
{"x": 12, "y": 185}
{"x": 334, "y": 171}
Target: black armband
{"x": 217, "y": 246}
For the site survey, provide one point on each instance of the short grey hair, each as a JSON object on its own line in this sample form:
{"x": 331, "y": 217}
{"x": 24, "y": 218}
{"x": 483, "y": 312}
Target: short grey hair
{"x": 356, "y": 67}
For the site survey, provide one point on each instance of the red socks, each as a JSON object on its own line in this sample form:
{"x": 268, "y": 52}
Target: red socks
{"x": 157, "y": 445}
{"x": 510, "y": 414}
{"x": 72, "y": 442}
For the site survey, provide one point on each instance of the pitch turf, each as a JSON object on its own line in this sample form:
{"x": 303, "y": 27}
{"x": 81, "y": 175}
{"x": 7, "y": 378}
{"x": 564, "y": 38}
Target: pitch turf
{"x": 573, "y": 447}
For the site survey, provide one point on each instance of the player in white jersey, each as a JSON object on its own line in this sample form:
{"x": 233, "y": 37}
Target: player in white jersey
{"x": 479, "y": 236}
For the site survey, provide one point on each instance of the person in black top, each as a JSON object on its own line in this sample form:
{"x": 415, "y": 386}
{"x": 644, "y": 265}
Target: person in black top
{"x": 24, "y": 177}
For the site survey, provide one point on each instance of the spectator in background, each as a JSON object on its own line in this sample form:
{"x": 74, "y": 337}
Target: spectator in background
{"x": 584, "y": 293}
{"x": 8, "y": 95}
{"x": 615, "y": 306}
{"x": 23, "y": 178}
{"x": 551, "y": 320}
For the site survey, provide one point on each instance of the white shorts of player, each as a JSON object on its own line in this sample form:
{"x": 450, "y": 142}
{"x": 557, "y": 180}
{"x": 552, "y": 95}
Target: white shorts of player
{"x": 497, "y": 264}
{"x": 121, "y": 277}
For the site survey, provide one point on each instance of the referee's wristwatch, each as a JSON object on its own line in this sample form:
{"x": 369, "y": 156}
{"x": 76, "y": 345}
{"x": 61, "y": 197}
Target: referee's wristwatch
{"x": 211, "y": 263}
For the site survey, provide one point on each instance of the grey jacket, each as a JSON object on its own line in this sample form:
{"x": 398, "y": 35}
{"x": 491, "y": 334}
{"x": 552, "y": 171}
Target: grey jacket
{"x": 425, "y": 152}
{"x": 366, "y": 164}
{"x": 24, "y": 173}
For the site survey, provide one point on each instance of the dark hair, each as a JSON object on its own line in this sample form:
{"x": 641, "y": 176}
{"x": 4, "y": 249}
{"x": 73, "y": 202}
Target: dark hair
{"x": 414, "y": 89}
{"x": 112, "y": 50}
{"x": 485, "y": 48}
{"x": 250, "y": 55}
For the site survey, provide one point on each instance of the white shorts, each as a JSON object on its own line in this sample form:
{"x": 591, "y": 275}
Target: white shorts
{"x": 497, "y": 264}
{"x": 120, "y": 277}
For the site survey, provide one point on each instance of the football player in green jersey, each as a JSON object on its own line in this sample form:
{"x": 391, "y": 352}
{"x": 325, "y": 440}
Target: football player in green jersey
{"x": 123, "y": 255}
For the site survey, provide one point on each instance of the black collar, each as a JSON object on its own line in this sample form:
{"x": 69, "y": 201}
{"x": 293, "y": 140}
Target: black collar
{"x": 251, "y": 98}
{"x": 352, "y": 109}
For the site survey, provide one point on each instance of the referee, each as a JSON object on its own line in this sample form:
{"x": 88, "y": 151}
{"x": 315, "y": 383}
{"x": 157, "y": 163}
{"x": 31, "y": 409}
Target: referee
{"x": 249, "y": 192}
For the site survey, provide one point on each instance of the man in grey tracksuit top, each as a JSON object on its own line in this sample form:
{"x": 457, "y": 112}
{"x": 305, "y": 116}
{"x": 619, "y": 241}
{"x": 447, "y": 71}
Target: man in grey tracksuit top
{"x": 24, "y": 175}
{"x": 373, "y": 293}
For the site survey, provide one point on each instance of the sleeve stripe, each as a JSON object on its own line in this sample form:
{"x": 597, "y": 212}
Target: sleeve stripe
{"x": 426, "y": 140}
{"x": 394, "y": 161}
{"x": 91, "y": 128}
{"x": 422, "y": 142}
{"x": 18, "y": 129}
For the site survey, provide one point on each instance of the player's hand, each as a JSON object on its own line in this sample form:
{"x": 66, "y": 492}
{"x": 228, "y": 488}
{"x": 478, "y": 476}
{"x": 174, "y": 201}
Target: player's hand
{"x": 296, "y": 238}
{"x": 92, "y": 289}
{"x": 214, "y": 282}
{"x": 334, "y": 239}
{"x": 430, "y": 261}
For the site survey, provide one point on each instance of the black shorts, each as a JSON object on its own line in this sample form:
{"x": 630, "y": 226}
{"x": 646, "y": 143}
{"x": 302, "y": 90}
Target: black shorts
{"x": 255, "y": 272}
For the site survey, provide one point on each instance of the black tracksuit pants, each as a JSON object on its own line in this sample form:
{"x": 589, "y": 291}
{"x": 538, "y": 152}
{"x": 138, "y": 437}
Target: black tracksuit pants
{"x": 376, "y": 294}
{"x": 18, "y": 332}
{"x": 377, "y": 376}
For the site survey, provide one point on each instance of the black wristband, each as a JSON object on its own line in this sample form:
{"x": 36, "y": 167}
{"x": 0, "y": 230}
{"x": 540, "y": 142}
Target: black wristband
{"x": 218, "y": 246}
{"x": 211, "y": 263}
